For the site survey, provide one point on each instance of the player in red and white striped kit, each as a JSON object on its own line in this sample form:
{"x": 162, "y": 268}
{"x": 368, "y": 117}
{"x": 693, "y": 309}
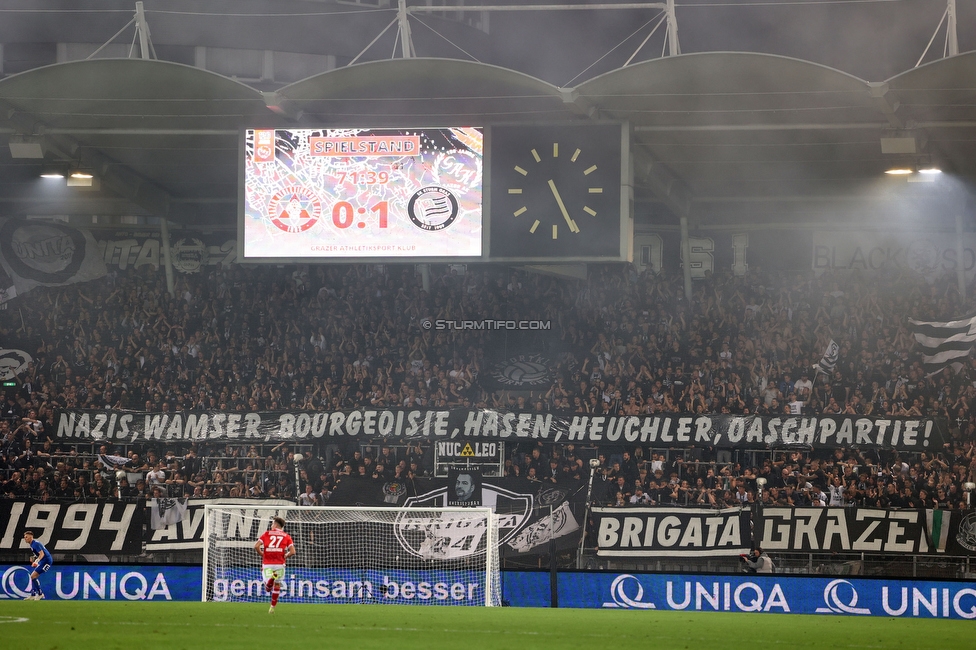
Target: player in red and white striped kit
{"x": 275, "y": 546}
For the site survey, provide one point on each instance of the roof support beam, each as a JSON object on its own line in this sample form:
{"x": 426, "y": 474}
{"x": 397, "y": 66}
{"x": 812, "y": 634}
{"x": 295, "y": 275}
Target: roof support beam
{"x": 529, "y": 7}
{"x": 142, "y": 29}
{"x": 867, "y": 126}
{"x": 708, "y": 128}
{"x": 582, "y": 106}
{"x": 280, "y": 106}
{"x": 886, "y": 104}
{"x": 674, "y": 49}
{"x": 952, "y": 36}
{"x": 406, "y": 40}
{"x": 114, "y": 131}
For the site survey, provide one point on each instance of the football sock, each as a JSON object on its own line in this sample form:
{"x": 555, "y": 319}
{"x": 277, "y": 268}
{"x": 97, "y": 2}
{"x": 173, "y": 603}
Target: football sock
{"x": 274, "y": 594}
{"x": 36, "y": 587}
{"x": 269, "y": 585}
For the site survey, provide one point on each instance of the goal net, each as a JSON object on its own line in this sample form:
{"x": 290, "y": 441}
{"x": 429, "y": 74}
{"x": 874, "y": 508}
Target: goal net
{"x": 420, "y": 556}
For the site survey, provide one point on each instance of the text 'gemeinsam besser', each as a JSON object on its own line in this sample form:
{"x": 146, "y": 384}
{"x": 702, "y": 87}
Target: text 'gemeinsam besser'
{"x": 677, "y": 430}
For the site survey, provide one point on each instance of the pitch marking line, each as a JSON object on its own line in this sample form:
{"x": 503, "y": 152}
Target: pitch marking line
{"x": 13, "y": 619}
{"x": 361, "y": 628}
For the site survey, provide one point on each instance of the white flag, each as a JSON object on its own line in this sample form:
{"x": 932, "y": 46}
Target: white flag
{"x": 166, "y": 512}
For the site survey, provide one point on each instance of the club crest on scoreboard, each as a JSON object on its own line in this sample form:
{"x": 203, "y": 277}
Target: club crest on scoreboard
{"x": 433, "y": 208}
{"x": 294, "y": 209}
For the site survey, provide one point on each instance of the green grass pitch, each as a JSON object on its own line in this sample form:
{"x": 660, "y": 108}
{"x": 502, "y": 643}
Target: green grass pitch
{"x": 126, "y": 625}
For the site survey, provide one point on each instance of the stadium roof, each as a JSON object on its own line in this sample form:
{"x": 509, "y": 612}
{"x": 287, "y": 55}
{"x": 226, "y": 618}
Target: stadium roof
{"x": 725, "y": 138}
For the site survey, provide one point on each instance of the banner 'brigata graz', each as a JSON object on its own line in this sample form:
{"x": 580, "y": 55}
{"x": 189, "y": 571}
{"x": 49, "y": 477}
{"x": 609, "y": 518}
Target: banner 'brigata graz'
{"x": 672, "y": 430}
{"x": 698, "y": 532}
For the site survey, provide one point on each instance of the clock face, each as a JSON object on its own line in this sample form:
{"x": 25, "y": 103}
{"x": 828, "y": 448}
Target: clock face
{"x": 555, "y": 192}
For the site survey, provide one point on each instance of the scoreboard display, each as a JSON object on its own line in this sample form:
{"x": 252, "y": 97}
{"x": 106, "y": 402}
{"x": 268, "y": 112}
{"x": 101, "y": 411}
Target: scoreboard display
{"x": 362, "y": 194}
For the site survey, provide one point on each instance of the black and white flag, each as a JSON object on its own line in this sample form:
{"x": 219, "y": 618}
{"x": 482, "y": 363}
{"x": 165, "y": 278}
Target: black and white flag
{"x": 944, "y": 344}
{"x": 828, "y": 361}
{"x": 166, "y": 512}
{"x": 48, "y": 254}
{"x": 548, "y": 526}
{"x": 12, "y": 362}
{"x": 111, "y": 461}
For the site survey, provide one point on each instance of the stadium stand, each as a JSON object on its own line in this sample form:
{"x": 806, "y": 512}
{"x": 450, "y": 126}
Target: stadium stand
{"x": 336, "y": 337}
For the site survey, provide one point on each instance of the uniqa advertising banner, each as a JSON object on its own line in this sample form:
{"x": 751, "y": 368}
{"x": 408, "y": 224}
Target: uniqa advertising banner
{"x": 747, "y": 593}
{"x": 363, "y": 586}
{"x": 676, "y": 430}
{"x": 104, "y": 582}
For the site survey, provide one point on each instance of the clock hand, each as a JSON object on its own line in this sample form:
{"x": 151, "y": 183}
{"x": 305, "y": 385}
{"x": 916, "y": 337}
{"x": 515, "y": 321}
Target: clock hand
{"x": 562, "y": 207}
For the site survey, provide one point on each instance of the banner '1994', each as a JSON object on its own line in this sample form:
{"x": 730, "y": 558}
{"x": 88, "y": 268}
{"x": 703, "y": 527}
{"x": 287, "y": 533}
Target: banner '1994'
{"x": 674, "y": 430}
{"x": 103, "y": 527}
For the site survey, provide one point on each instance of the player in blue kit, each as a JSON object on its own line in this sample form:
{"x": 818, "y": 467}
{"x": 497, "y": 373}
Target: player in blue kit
{"x": 41, "y": 563}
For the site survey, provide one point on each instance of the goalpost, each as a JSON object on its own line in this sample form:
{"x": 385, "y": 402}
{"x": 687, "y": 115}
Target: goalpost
{"x": 420, "y": 556}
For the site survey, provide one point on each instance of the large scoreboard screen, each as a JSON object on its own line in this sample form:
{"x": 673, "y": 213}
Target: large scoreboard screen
{"x": 362, "y": 193}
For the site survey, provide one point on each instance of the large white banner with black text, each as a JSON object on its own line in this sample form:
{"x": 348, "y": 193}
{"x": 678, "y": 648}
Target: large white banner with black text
{"x": 677, "y": 430}
{"x": 671, "y": 532}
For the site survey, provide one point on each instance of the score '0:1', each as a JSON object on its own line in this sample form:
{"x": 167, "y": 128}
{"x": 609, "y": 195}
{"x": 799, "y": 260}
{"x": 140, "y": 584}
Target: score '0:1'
{"x": 343, "y": 214}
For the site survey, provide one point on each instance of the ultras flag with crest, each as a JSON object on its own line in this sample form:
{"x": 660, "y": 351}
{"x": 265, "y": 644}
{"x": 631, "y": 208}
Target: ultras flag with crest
{"x": 828, "y": 361}
{"x": 49, "y": 254}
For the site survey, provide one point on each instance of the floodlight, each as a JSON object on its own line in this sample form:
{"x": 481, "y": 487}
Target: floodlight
{"x": 24, "y": 146}
{"x": 80, "y": 178}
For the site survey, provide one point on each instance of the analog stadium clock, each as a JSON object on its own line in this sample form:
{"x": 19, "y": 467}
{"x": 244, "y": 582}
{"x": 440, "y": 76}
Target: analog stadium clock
{"x": 556, "y": 192}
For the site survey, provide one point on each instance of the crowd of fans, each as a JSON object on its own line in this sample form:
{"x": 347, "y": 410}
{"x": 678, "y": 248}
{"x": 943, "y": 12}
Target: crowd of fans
{"x": 334, "y": 337}
{"x": 848, "y": 478}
